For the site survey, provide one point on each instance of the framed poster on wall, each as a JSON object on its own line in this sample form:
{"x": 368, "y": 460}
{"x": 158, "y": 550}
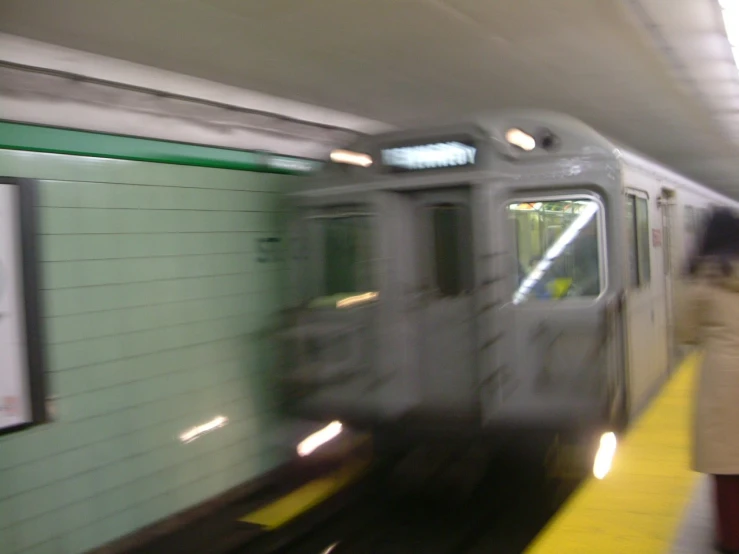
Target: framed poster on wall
{"x": 22, "y": 380}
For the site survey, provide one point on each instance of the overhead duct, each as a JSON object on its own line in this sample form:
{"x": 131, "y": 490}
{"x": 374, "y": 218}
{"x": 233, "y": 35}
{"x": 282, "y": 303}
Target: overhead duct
{"x": 53, "y": 98}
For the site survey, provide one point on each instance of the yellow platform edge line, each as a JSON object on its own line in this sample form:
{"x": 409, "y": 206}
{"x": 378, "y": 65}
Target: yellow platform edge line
{"x": 299, "y": 501}
{"x": 638, "y": 507}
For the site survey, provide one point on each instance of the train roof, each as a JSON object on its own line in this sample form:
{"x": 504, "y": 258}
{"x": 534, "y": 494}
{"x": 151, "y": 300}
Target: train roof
{"x": 574, "y": 136}
{"x": 560, "y": 136}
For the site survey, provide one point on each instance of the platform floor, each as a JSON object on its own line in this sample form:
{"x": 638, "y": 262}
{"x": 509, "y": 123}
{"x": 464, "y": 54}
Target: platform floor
{"x": 650, "y": 502}
{"x": 696, "y": 533}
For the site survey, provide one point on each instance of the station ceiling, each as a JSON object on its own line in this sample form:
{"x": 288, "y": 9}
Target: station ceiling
{"x": 658, "y": 75}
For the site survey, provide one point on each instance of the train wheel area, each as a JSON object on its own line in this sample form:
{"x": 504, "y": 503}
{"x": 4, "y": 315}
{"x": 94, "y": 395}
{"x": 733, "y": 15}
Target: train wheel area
{"x": 428, "y": 501}
{"x": 533, "y": 496}
{"x": 338, "y": 498}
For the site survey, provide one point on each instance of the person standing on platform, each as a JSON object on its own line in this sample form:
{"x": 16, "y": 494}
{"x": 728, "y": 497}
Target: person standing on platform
{"x": 708, "y": 316}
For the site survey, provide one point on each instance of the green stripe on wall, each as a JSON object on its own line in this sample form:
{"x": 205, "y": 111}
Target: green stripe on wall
{"x": 36, "y": 138}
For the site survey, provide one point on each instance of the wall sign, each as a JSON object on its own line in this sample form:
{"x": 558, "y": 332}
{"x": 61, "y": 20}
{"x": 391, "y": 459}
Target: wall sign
{"x": 439, "y": 155}
{"x": 268, "y": 250}
{"x": 21, "y": 373}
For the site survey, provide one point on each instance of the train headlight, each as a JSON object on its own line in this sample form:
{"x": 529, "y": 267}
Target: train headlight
{"x": 604, "y": 457}
{"x": 517, "y": 137}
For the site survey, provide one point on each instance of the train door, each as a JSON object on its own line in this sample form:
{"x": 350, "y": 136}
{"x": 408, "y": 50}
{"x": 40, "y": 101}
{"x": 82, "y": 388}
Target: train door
{"x": 640, "y": 309}
{"x": 556, "y": 333}
{"x": 444, "y": 301}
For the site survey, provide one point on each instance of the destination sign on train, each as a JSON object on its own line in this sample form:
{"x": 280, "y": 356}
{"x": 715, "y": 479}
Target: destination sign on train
{"x": 440, "y": 155}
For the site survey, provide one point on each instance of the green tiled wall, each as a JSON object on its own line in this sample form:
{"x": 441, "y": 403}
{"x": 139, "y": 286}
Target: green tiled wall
{"x": 153, "y": 301}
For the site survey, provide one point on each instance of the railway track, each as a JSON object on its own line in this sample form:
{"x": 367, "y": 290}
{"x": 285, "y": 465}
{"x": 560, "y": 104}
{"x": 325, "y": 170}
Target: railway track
{"x": 433, "y": 503}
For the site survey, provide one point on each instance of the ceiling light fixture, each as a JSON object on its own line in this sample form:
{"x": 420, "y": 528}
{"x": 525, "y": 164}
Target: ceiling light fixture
{"x": 730, "y": 12}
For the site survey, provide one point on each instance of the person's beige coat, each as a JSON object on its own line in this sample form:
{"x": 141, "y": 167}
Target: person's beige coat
{"x": 707, "y": 316}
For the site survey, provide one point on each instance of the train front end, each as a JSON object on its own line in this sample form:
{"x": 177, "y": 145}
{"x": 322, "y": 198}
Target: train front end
{"x": 455, "y": 281}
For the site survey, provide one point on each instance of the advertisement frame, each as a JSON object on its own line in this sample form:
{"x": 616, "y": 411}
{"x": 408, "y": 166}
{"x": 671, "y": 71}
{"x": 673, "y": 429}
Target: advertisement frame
{"x": 31, "y": 280}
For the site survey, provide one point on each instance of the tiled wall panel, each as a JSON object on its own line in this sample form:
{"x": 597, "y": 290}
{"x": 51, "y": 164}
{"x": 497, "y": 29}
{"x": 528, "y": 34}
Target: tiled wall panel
{"x": 153, "y": 299}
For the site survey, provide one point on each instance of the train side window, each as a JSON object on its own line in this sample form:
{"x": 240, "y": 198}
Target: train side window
{"x": 558, "y": 249}
{"x": 341, "y": 260}
{"x": 637, "y": 234}
{"x": 631, "y": 240}
{"x": 346, "y": 244}
{"x": 448, "y": 271}
{"x": 642, "y": 241}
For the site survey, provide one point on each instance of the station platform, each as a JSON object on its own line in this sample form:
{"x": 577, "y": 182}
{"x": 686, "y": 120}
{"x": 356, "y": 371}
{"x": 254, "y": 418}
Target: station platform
{"x": 650, "y": 502}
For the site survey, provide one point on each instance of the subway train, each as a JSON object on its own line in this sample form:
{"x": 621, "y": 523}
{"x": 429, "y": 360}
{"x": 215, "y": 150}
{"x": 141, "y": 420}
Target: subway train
{"x": 513, "y": 272}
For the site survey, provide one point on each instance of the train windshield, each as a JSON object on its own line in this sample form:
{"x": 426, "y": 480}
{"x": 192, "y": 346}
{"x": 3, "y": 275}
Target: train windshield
{"x": 558, "y": 249}
{"x": 341, "y": 252}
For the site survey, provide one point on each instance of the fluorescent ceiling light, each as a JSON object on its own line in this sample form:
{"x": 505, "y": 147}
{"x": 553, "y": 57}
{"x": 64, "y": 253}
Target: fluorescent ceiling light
{"x": 730, "y": 12}
{"x": 731, "y": 24}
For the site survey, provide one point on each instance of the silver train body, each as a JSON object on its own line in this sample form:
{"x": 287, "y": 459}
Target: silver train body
{"x": 512, "y": 272}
